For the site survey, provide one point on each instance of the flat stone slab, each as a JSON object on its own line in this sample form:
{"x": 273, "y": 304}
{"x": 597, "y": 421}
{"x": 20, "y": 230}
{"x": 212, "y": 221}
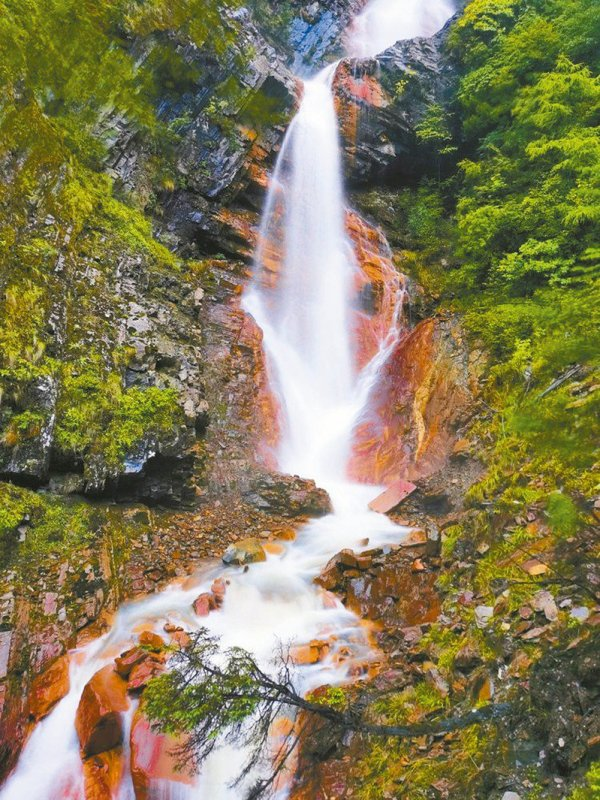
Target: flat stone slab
{"x": 392, "y": 496}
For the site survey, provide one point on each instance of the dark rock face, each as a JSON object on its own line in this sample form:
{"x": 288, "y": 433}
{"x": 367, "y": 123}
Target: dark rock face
{"x": 28, "y": 461}
{"x": 565, "y": 688}
{"x": 288, "y": 495}
{"x": 317, "y": 31}
{"x": 382, "y": 100}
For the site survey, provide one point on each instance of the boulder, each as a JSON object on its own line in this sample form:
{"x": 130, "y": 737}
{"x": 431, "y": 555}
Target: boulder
{"x": 48, "y": 688}
{"x": 288, "y": 496}
{"x": 311, "y": 653}
{"x": 143, "y": 672}
{"x": 248, "y": 551}
{"x": 102, "y": 775}
{"x": 151, "y": 641}
{"x": 206, "y": 602}
{"x": 152, "y": 758}
{"x": 128, "y": 660}
{"x": 393, "y": 496}
{"x": 98, "y": 722}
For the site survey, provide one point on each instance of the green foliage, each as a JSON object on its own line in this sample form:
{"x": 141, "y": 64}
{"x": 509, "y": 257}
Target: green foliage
{"x": 54, "y": 528}
{"x": 434, "y": 130}
{"x": 332, "y": 696}
{"x": 562, "y": 514}
{"x": 96, "y": 416}
{"x": 591, "y": 789}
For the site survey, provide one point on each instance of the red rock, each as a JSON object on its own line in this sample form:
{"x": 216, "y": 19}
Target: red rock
{"x": 102, "y": 775}
{"x": 219, "y": 588}
{"x": 152, "y": 758}
{"x": 128, "y": 660}
{"x": 48, "y": 688}
{"x": 98, "y": 722}
{"x": 392, "y": 496}
{"x": 204, "y": 604}
{"x": 142, "y": 673}
{"x": 151, "y": 640}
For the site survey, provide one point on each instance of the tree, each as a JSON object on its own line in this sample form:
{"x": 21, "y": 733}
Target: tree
{"x": 209, "y": 697}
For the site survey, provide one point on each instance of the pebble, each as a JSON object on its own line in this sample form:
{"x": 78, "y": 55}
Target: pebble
{"x": 511, "y": 796}
{"x": 483, "y": 615}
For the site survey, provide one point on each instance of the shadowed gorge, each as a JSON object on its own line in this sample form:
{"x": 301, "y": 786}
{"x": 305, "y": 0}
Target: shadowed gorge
{"x": 299, "y": 400}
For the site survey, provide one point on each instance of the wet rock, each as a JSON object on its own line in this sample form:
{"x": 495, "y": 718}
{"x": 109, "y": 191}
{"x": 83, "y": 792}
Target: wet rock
{"x": 128, "y": 660}
{"x": 143, "y": 672}
{"x": 394, "y": 595}
{"x": 288, "y": 495}
{"x": 206, "y": 602}
{"x": 48, "y": 688}
{"x": 102, "y": 775}
{"x": 27, "y": 459}
{"x": 219, "y": 589}
{"x": 565, "y": 691}
{"x": 152, "y": 758}
{"x": 422, "y": 393}
{"x": 99, "y": 722}
{"x": 317, "y": 31}
{"x": 248, "y": 551}
{"x": 332, "y": 575}
{"x": 311, "y": 653}
{"x": 151, "y": 641}
{"x": 392, "y": 496}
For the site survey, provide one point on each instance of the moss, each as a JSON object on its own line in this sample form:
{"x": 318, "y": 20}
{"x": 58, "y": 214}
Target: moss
{"x": 97, "y": 417}
{"x": 591, "y": 788}
{"x": 52, "y": 527}
{"x": 393, "y": 769}
{"x": 450, "y": 538}
{"x": 333, "y": 696}
{"x": 562, "y": 513}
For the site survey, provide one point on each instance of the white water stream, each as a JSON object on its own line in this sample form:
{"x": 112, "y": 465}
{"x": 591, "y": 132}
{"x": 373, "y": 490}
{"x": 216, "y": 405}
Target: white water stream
{"x": 308, "y": 337}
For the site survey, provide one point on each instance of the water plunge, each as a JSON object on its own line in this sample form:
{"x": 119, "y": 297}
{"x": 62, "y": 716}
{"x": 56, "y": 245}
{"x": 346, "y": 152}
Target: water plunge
{"x": 302, "y": 299}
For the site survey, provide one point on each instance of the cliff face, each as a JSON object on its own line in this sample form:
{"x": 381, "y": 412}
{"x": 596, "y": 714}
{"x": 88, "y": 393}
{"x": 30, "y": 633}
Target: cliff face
{"x": 151, "y": 389}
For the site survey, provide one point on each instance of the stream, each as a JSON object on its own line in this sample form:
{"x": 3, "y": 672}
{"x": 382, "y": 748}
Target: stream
{"x": 305, "y": 310}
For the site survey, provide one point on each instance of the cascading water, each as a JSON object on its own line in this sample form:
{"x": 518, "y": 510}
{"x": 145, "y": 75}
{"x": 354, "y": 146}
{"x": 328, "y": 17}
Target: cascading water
{"x": 305, "y": 318}
{"x": 302, "y": 300}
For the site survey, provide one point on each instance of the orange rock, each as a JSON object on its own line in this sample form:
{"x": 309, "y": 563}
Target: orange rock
{"x": 181, "y": 639}
{"x": 102, "y": 775}
{"x": 534, "y": 567}
{"x": 142, "y": 673}
{"x": 310, "y": 653}
{"x": 128, "y": 660}
{"x": 98, "y": 722}
{"x": 151, "y": 640}
{"x": 274, "y": 548}
{"x": 414, "y": 538}
{"x": 48, "y": 688}
{"x": 152, "y": 758}
{"x": 286, "y": 535}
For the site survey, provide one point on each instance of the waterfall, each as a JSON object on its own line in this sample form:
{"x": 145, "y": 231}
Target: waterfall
{"x": 301, "y": 297}
{"x": 305, "y": 316}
